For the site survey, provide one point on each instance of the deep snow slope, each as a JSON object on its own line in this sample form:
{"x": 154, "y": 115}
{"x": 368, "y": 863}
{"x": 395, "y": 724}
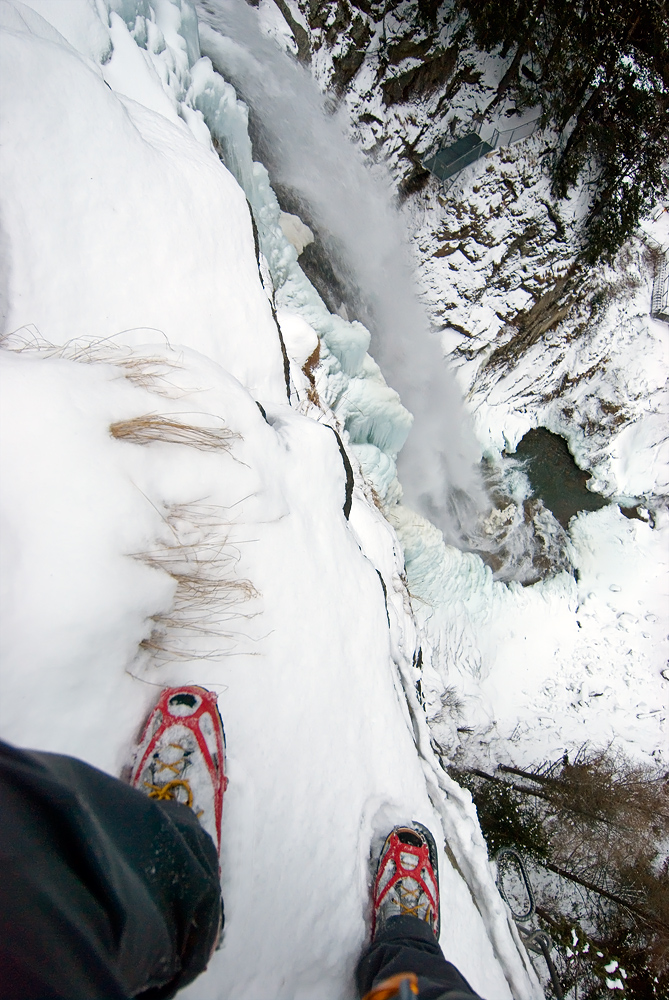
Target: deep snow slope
{"x": 168, "y": 517}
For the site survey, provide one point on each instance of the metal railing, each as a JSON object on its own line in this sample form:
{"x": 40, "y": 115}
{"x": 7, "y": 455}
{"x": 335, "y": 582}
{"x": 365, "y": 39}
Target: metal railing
{"x": 659, "y": 300}
{"x": 534, "y": 939}
{"x": 507, "y": 136}
{"x": 659, "y": 303}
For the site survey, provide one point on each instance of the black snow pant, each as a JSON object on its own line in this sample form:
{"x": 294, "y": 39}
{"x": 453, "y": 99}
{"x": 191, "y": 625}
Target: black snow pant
{"x": 406, "y": 944}
{"x": 106, "y": 894}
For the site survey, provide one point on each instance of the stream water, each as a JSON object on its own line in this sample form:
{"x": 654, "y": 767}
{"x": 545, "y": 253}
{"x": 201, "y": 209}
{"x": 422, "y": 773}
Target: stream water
{"x": 555, "y": 477}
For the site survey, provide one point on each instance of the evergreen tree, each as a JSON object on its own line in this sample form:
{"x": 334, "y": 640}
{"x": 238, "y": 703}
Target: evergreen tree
{"x": 599, "y": 70}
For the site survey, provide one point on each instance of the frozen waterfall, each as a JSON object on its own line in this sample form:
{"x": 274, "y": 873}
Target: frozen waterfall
{"x": 352, "y": 209}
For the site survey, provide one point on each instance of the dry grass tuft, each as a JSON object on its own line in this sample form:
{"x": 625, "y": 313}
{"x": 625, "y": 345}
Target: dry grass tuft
{"x": 208, "y": 597}
{"x": 200, "y": 559}
{"x": 376, "y": 500}
{"x": 161, "y": 427}
{"x": 150, "y": 372}
{"x": 309, "y": 367}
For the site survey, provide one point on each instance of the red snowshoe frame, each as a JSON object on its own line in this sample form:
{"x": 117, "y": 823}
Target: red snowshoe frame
{"x": 215, "y": 762}
{"x": 425, "y": 852}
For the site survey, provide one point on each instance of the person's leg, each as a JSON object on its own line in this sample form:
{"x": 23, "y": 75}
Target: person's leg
{"x": 105, "y": 893}
{"x": 405, "y": 925}
{"x": 406, "y": 944}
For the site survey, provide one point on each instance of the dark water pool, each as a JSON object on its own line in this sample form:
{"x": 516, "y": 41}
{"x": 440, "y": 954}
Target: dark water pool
{"x": 554, "y": 475}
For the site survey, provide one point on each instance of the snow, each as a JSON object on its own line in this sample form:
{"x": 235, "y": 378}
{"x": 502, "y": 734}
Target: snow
{"x": 532, "y": 672}
{"x": 295, "y": 231}
{"x": 135, "y": 300}
{"x": 108, "y": 213}
{"x": 78, "y": 22}
{"x": 543, "y": 670}
{"x": 275, "y": 26}
{"x": 74, "y": 606}
{"x": 639, "y": 459}
{"x": 301, "y": 340}
{"x": 130, "y": 71}
{"x": 587, "y": 668}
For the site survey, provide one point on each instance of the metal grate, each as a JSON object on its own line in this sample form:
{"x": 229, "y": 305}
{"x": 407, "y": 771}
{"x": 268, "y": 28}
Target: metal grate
{"x": 449, "y": 160}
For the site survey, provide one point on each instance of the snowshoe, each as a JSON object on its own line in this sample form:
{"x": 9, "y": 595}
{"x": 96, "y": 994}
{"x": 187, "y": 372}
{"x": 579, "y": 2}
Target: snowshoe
{"x": 407, "y": 878}
{"x": 181, "y": 755}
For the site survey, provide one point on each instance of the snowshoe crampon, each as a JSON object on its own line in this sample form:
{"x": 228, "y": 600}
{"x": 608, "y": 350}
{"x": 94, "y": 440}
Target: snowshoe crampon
{"x": 181, "y": 755}
{"x": 407, "y": 878}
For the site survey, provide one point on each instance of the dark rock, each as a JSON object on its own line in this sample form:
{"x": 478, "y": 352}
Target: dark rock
{"x": 420, "y": 80}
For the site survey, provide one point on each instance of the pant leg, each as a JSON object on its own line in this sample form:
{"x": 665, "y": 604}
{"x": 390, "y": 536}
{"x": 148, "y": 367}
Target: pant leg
{"x": 104, "y": 893}
{"x": 407, "y": 944}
